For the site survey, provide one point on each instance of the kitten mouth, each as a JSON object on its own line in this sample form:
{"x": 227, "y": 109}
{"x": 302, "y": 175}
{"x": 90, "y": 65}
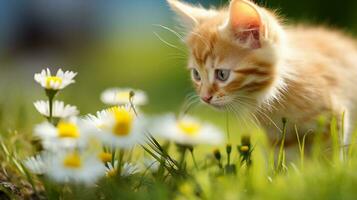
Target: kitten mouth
{"x": 220, "y": 105}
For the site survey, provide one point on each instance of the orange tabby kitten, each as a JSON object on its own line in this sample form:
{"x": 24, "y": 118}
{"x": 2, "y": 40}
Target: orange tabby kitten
{"x": 242, "y": 58}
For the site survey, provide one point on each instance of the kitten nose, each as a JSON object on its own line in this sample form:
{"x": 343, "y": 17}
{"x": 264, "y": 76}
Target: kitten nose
{"x": 207, "y": 98}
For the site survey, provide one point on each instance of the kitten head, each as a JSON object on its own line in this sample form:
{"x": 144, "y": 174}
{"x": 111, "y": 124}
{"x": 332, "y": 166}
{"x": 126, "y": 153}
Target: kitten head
{"x": 234, "y": 52}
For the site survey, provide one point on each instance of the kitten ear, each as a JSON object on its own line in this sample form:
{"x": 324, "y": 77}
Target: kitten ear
{"x": 245, "y": 24}
{"x": 190, "y": 15}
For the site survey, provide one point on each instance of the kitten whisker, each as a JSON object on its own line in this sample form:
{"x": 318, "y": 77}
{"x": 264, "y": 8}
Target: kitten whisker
{"x": 170, "y": 30}
{"x": 190, "y": 101}
{"x": 178, "y": 54}
{"x": 260, "y": 106}
{"x": 238, "y": 115}
{"x": 261, "y": 113}
{"x": 188, "y": 107}
{"x": 291, "y": 82}
{"x": 176, "y": 57}
{"x": 251, "y": 115}
{"x": 167, "y": 43}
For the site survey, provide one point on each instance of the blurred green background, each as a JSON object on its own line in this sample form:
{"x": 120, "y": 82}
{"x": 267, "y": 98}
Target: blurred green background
{"x": 112, "y": 44}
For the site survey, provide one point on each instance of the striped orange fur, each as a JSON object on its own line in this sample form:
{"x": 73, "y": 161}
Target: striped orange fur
{"x": 274, "y": 70}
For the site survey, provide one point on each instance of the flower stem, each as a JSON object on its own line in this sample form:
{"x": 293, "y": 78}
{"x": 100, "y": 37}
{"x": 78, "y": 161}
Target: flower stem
{"x": 51, "y": 107}
{"x": 131, "y": 96}
{"x": 51, "y": 95}
{"x": 228, "y": 151}
{"x": 281, "y": 155}
{"x": 193, "y": 157}
{"x": 183, "y": 155}
{"x": 113, "y": 151}
{"x": 120, "y": 161}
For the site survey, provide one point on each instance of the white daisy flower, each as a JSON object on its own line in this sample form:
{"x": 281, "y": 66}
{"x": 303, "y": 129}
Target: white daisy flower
{"x": 121, "y": 96}
{"x": 55, "y": 82}
{"x": 187, "y": 131}
{"x": 118, "y": 127}
{"x": 36, "y": 164}
{"x": 80, "y": 167}
{"x": 111, "y": 170}
{"x": 128, "y": 169}
{"x": 69, "y": 133}
{"x": 59, "y": 110}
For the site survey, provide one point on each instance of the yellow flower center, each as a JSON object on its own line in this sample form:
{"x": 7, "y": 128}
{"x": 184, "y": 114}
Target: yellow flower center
{"x": 67, "y": 130}
{"x": 52, "y": 79}
{"x": 123, "y": 96}
{"x": 123, "y": 121}
{"x": 72, "y": 160}
{"x": 105, "y": 157}
{"x": 189, "y": 128}
{"x": 244, "y": 148}
{"x": 186, "y": 189}
{"x": 112, "y": 173}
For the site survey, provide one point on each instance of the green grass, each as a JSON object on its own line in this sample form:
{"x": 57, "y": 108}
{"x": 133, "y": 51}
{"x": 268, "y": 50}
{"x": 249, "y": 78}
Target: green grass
{"x": 318, "y": 175}
{"x": 145, "y": 62}
{"x": 315, "y": 173}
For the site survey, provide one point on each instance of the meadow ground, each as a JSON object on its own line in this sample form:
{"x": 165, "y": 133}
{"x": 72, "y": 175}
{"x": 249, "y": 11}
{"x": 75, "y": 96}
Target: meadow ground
{"x": 112, "y": 48}
{"x": 244, "y": 166}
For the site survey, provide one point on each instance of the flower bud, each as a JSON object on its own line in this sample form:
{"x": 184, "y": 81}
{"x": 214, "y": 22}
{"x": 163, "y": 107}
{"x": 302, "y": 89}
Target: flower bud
{"x": 131, "y": 94}
{"x": 229, "y": 148}
{"x": 244, "y": 149}
{"x": 217, "y": 154}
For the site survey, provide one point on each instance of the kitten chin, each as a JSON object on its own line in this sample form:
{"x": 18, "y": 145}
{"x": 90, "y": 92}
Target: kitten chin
{"x": 218, "y": 107}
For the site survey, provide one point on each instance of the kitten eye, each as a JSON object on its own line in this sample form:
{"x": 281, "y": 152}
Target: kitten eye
{"x": 222, "y": 74}
{"x": 196, "y": 75}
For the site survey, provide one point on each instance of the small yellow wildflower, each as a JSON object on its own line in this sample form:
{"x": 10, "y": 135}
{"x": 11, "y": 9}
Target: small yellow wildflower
{"x": 244, "y": 148}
